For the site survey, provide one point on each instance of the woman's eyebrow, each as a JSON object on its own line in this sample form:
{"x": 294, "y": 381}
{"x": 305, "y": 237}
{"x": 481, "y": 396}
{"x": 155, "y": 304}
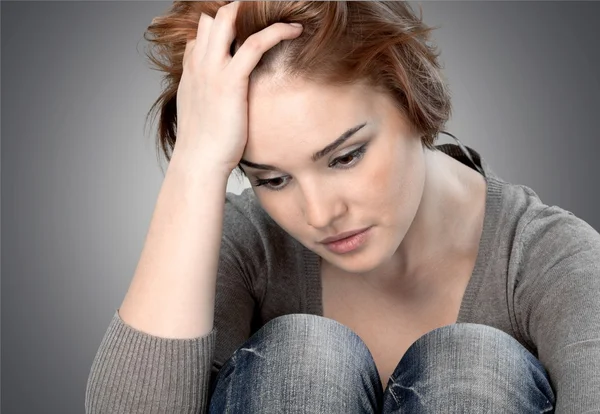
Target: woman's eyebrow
{"x": 317, "y": 155}
{"x": 343, "y": 138}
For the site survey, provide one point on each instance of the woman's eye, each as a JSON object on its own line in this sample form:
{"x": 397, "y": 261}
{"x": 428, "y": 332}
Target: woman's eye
{"x": 346, "y": 159}
{"x": 350, "y": 159}
{"x": 271, "y": 183}
{"x": 276, "y": 182}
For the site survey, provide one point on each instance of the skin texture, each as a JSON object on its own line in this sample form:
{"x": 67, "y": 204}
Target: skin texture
{"x": 418, "y": 202}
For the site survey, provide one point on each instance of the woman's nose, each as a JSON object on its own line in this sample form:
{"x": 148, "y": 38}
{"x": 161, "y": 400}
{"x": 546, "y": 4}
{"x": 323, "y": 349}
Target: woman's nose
{"x": 322, "y": 208}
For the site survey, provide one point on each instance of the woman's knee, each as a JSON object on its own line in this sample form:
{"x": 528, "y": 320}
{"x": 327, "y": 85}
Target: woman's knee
{"x": 477, "y": 346}
{"x": 476, "y": 362}
{"x": 309, "y": 340}
{"x": 318, "y": 358}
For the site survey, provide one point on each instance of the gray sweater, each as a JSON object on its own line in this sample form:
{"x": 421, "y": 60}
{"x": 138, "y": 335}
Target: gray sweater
{"x": 537, "y": 278}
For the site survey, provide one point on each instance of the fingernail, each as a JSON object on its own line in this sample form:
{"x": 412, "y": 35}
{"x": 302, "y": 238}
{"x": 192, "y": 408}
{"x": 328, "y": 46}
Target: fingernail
{"x": 296, "y": 24}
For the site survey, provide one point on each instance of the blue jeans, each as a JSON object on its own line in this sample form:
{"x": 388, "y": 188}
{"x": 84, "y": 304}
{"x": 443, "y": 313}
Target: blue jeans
{"x": 304, "y": 363}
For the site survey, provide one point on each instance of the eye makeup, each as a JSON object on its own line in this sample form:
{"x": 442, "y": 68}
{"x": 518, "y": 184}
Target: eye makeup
{"x": 279, "y": 183}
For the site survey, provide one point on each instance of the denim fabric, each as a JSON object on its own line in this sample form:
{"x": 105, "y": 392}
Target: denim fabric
{"x": 304, "y": 363}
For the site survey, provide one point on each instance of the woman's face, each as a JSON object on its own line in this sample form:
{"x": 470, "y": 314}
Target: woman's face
{"x": 313, "y": 190}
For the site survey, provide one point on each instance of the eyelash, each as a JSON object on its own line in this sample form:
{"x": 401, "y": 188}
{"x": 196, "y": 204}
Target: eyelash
{"x": 357, "y": 155}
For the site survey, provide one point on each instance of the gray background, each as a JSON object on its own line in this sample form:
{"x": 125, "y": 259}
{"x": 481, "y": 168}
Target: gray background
{"x": 80, "y": 176}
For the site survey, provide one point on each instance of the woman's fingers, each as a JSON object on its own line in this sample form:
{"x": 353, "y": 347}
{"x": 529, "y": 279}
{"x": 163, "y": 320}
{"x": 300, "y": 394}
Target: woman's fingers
{"x": 189, "y": 47}
{"x": 222, "y": 33}
{"x": 215, "y": 36}
{"x": 197, "y": 47}
{"x": 250, "y": 53}
{"x": 202, "y": 34}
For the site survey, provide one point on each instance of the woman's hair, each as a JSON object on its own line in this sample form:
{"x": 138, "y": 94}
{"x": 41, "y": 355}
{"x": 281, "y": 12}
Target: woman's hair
{"x": 380, "y": 42}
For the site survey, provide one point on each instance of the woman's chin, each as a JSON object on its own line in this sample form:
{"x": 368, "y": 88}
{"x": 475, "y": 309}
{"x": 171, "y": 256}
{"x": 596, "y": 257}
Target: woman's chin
{"x": 364, "y": 262}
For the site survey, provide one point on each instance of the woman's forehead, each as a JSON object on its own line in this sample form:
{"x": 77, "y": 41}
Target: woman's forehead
{"x": 307, "y": 112}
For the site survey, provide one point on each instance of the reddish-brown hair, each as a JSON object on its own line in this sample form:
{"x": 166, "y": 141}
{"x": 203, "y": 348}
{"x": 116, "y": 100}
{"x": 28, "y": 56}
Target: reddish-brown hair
{"x": 381, "y": 42}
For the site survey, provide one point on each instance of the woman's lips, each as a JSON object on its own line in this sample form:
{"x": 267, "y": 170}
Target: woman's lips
{"x": 349, "y": 243}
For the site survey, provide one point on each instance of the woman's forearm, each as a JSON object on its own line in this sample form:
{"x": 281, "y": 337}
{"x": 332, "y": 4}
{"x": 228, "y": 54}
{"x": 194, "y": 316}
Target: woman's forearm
{"x": 172, "y": 292}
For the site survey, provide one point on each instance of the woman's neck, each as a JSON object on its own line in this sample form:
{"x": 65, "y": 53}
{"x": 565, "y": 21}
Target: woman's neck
{"x": 443, "y": 239}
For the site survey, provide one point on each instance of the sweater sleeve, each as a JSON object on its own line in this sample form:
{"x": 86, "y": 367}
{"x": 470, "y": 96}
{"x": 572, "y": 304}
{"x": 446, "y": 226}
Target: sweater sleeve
{"x": 558, "y": 302}
{"x": 135, "y": 372}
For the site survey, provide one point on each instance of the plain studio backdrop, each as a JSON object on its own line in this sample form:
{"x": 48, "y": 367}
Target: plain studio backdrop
{"x": 80, "y": 175}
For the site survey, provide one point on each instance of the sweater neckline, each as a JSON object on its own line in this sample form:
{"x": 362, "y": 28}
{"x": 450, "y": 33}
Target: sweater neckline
{"x": 312, "y": 261}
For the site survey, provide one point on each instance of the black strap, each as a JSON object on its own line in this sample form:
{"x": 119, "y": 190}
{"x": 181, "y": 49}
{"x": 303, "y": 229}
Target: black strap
{"x": 465, "y": 151}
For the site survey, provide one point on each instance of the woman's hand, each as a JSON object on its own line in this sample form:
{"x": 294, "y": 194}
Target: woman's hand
{"x": 212, "y": 98}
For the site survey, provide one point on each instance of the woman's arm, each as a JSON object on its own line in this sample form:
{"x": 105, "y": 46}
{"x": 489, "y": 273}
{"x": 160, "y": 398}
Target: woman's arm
{"x": 172, "y": 292}
{"x": 558, "y": 304}
{"x": 158, "y": 350}
{"x": 157, "y": 353}
{"x": 135, "y": 372}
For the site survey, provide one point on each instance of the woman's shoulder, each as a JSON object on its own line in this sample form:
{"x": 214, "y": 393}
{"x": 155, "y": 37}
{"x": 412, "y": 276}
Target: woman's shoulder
{"x": 511, "y": 208}
{"x": 546, "y": 240}
{"x": 554, "y": 238}
{"x": 541, "y": 245}
{"x": 532, "y": 217}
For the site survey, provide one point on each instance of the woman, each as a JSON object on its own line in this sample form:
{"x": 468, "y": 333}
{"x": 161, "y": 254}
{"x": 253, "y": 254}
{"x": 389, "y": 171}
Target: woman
{"x": 367, "y": 270}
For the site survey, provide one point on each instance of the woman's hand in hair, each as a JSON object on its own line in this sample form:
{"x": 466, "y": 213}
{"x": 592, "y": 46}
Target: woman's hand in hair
{"x": 212, "y": 97}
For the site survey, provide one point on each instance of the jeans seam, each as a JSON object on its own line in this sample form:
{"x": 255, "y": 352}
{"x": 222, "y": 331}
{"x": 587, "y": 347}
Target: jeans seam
{"x": 391, "y": 390}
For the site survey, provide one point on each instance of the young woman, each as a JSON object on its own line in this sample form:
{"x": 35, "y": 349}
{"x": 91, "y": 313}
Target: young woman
{"x": 367, "y": 269}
